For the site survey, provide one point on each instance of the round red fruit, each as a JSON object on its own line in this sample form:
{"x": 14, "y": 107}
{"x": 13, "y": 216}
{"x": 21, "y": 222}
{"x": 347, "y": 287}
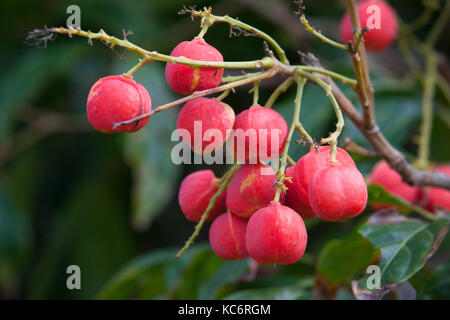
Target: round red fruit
{"x": 251, "y": 188}
{"x": 196, "y": 190}
{"x": 315, "y": 159}
{"x": 227, "y": 237}
{"x": 208, "y": 121}
{"x": 276, "y": 234}
{"x": 114, "y": 99}
{"x": 381, "y": 20}
{"x": 293, "y": 199}
{"x": 184, "y": 79}
{"x": 337, "y": 192}
{"x": 255, "y": 130}
{"x": 389, "y": 179}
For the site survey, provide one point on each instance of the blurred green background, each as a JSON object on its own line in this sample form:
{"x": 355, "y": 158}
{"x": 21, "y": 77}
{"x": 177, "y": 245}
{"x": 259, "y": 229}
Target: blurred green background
{"x": 72, "y": 196}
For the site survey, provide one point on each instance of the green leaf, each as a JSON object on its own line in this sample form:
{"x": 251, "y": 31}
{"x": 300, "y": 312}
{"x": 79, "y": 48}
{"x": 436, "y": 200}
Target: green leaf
{"x": 377, "y": 194}
{"x": 299, "y": 291}
{"x": 25, "y": 78}
{"x": 228, "y": 272}
{"x": 15, "y": 237}
{"x": 341, "y": 260}
{"x": 437, "y": 286}
{"x": 91, "y": 232}
{"x": 405, "y": 245}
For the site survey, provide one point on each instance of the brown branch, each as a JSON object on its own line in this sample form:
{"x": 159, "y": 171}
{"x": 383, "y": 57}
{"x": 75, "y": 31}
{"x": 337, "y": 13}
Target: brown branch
{"x": 379, "y": 143}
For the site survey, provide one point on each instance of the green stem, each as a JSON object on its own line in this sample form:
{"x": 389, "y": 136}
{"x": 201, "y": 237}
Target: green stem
{"x": 278, "y": 91}
{"x": 142, "y": 62}
{"x": 264, "y": 63}
{"x": 223, "y": 95}
{"x": 206, "y": 14}
{"x": 303, "y": 133}
{"x": 280, "y": 174}
{"x": 321, "y": 36}
{"x": 429, "y": 86}
{"x": 256, "y": 92}
{"x": 241, "y": 77}
{"x": 224, "y": 182}
{"x": 345, "y": 80}
{"x": 333, "y": 137}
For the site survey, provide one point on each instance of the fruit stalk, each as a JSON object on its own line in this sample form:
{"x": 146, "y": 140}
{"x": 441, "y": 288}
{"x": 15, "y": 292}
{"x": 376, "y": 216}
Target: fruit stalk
{"x": 224, "y": 182}
{"x": 295, "y": 119}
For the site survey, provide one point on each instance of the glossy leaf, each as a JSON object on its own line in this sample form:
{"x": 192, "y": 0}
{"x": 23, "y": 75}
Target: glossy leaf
{"x": 405, "y": 245}
{"x": 341, "y": 260}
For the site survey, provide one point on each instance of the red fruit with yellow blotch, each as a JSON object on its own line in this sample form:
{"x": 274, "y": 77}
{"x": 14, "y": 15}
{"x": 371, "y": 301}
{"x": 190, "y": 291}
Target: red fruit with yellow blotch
{"x": 337, "y": 192}
{"x": 259, "y": 134}
{"x": 184, "y": 79}
{"x": 227, "y": 237}
{"x": 293, "y": 199}
{"x": 381, "y": 20}
{"x": 391, "y": 180}
{"x": 315, "y": 159}
{"x": 114, "y": 99}
{"x": 208, "y": 121}
{"x": 276, "y": 234}
{"x": 251, "y": 188}
{"x": 196, "y": 190}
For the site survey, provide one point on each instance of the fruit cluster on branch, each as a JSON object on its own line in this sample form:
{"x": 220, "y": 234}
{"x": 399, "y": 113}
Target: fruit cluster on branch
{"x": 264, "y": 210}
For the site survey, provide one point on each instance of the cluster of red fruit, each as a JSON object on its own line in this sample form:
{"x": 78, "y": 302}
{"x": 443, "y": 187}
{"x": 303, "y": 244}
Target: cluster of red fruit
{"x": 429, "y": 197}
{"x": 247, "y": 220}
{"x": 274, "y": 232}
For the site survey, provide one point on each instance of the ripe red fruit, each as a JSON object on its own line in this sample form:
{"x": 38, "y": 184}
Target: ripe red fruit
{"x": 185, "y": 80}
{"x": 293, "y": 199}
{"x": 114, "y": 99}
{"x": 251, "y": 188}
{"x": 438, "y": 196}
{"x": 254, "y": 131}
{"x": 381, "y": 20}
{"x": 196, "y": 190}
{"x": 337, "y": 192}
{"x": 306, "y": 167}
{"x": 388, "y": 178}
{"x": 227, "y": 237}
{"x": 276, "y": 234}
{"x": 206, "y": 114}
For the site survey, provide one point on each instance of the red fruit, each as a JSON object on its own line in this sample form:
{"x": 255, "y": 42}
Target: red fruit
{"x": 388, "y": 178}
{"x": 185, "y": 80}
{"x": 315, "y": 159}
{"x": 293, "y": 199}
{"x": 114, "y": 99}
{"x": 276, "y": 234}
{"x": 337, "y": 192}
{"x": 255, "y": 129}
{"x": 196, "y": 190}
{"x": 381, "y": 20}
{"x": 438, "y": 196}
{"x": 209, "y": 116}
{"x": 251, "y": 188}
{"x": 227, "y": 237}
